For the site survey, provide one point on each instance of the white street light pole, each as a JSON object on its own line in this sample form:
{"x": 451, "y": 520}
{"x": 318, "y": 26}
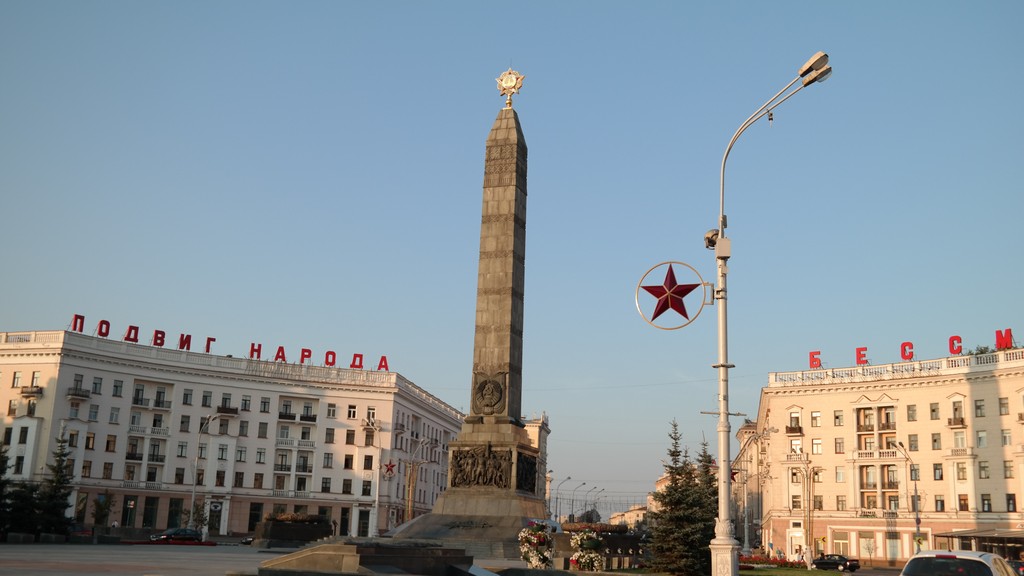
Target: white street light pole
{"x": 558, "y": 499}
{"x": 203, "y": 427}
{"x": 916, "y": 504}
{"x": 572, "y": 503}
{"x": 724, "y": 547}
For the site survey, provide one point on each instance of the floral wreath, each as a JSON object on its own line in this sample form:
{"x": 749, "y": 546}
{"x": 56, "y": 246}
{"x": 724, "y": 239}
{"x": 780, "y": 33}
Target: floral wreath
{"x": 586, "y": 557}
{"x": 535, "y": 545}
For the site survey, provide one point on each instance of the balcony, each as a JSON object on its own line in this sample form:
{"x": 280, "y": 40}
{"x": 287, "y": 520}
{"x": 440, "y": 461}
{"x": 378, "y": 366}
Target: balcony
{"x": 31, "y": 391}
{"x": 157, "y": 458}
{"x": 891, "y": 485}
{"x": 796, "y": 457}
{"x": 869, "y": 485}
{"x": 133, "y": 456}
{"x": 308, "y": 417}
{"x": 310, "y": 444}
{"x": 286, "y": 415}
{"x": 400, "y": 428}
{"x": 794, "y": 429}
{"x": 304, "y": 468}
{"x": 1020, "y": 416}
{"x": 282, "y": 467}
{"x": 957, "y": 422}
{"x": 865, "y": 427}
{"x": 136, "y": 429}
{"x": 79, "y": 393}
{"x": 285, "y": 443}
{"x": 162, "y": 404}
{"x": 883, "y": 426}
{"x": 227, "y": 410}
{"x": 960, "y": 453}
{"x": 140, "y": 401}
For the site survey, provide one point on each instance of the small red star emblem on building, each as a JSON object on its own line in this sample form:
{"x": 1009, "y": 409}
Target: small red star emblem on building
{"x": 389, "y": 469}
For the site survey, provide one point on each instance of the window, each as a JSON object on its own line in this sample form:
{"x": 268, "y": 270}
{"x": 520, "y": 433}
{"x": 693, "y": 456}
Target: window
{"x": 243, "y": 428}
{"x": 325, "y": 484}
{"x": 219, "y": 478}
{"x": 840, "y": 446}
{"x": 912, "y": 443}
{"x": 840, "y": 503}
{"x": 118, "y": 388}
{"x": 940, "y": 504}
{"x": 86, "y": 468}
{"x": 1011, "y": 502}
{"x": 937, "y": 471}
{"x": 12, "y": 407}
{"x": 72, "y": 439}
{"x": 983, "y": 472}
{"x": 351, "y": 411}
{"x": 9, "y": 431}
{"x": 819, "y": 502}
{"x": 264, "y": 404}
{"x": 31, "y": 407}
{"x": 257, "y": 480}
{"x": 1007, "y": 437}
{"x": 222, "y": 451}
{"x": 933, "y": 410}
{"x": 1004, "y": 406}
{"x": 346, "y": 486}
{"x": 246, "y": 402}
{"x": 795, "y": 503}
{"x": 348, "y": 461}
{"x": 962, "y": 502}
{"x": 19, "y": 464}
{"x": 936, "y": 441}
{"x": 1007, "y": 468}
{"x": 223, "y": 424}
{"x": 840, "y": 474}
{"x": 207, "y": 399}
{"x": 837, "y": 418}
{"x": 225, "y": 400}
{"x": 90, "y": 440}
{"x": 979, "y": 408}
{"x": 97, "y": 385}
{"x": 261, "y": 431}
{"x": 305, "y": 433}
{"x": 915, "y": 472}
{"x": 108, "y": 470}
{"x": 78, "y": 380}
{"x": 959, "y": 439}
{"x": 286, "y": 407}
{"x": 307, "y": 408}
{"x": 94, "y": 412}
{"x": 367, "y": 488}
{"x": 328, "y": 460}
{"x": 986, "y": 502}
{"x": 186, "y": 397}
{"x": 982, "y": 441}
{"x": 332, "y": 410}
{"x": 182, "y": 449}
{"x": 350, "y": 437}
{"x": 186, "y": 421}
{"x": 912, "y": 413}
{"x": 202, "y": 450}
{"x": 16, "y": 383}
{"x": 261, "y": 455}
{"x": 815, "y": 445}
{"x": 115, "y": 414}
{"x": 371, "y": 435}
{"x": 240, "y": 454}
{"x": 72, "y": 411}
{"x": 961, "y": 471}
{"x": 329, "y": 437}
{"x": 368, "y": 462}
{"x": 239, "y": 479}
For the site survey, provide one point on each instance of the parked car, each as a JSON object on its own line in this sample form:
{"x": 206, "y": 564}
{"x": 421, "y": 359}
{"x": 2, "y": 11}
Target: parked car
{"x": 1018, "y": 567}
{"x": 178, "y": 535}
{"x": 835, "y": 562}
{"x": 246, "y": 540}
{"x": 956, "y": 563}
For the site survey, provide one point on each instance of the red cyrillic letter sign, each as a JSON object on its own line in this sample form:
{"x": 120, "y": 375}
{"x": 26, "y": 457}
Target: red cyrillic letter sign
{"x": 330, "y": 358}
{"x": 103, "y": 328}
{"x": 209, "y": 343}
{"x": 1004, "y": 339}
{"x": 305, "y": 354}
{"x": 158, "y": 338}
{"x": 955, "y": 345}
{"x": 184, "y": 342}
{"x": 907, "y": 351}
{"x": 357, "y": 362}
{"x": 862, "y": 355}
{"x": 132, "y": 334}
{"x": 280, "y": 356}
{"x": 383, "y": 364}
{"x": 254, "y": 350}
{"x": 77, "y": 323}
{"x": 815, "y": 360}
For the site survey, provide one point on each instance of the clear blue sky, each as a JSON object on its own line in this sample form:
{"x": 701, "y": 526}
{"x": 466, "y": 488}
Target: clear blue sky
{"x": 308, "y": 174}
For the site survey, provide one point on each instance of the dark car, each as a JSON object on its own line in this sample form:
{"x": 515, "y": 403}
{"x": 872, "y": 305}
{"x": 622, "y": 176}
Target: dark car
{"x": 835, "y": 562}
{"x": 178, "y": 535}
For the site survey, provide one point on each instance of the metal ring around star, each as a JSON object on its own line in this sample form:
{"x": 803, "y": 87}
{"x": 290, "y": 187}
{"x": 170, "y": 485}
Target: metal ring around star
{"x": 671, "y": 295}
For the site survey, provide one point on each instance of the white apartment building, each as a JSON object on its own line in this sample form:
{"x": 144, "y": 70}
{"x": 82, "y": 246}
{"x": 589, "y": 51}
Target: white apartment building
{"x": 847, "y": 460}
{"x": 158, "y": 427}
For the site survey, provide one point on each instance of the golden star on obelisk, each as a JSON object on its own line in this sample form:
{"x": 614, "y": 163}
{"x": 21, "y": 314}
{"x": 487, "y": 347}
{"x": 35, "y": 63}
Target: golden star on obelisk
{"x": 509, "y": 83}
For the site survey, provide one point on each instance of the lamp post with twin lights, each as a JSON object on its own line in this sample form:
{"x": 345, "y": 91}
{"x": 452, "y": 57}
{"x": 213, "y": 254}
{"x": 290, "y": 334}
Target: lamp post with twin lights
{"x": 724, "y": 547}
{"x": 204, "y": 427}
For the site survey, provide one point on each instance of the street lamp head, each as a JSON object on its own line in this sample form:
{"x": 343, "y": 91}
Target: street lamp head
{"x": 711, "y": 238}
{"x": 900, "y": 444}
{"x": 818, "y": 76}
{"x": 817, "y": 62}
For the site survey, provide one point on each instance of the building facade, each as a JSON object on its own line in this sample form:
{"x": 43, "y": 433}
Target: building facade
{"x": 877, "y": 461}
{"x": 157, "y": 429}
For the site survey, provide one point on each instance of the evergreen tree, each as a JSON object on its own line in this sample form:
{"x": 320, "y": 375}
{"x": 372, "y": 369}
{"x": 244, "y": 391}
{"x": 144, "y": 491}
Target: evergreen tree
{"x": 55, "y": 492}
{"x": 5, "y": 491}
{"x": 684, "y": 524}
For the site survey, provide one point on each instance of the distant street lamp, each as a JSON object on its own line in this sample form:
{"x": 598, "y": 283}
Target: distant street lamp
{"x": 558, "y": 499}
{"x": 916, "y": 505}
{"x": 572, "y": 503}
{"x": 724, "y": 547}
{"x": 204, "y": 427}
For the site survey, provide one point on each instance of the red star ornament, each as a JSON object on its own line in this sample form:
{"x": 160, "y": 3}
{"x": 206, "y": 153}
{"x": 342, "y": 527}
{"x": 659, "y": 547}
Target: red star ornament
{"x": 670, "y": 295}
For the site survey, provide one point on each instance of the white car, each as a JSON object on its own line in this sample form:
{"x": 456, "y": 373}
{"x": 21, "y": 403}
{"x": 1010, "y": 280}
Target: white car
{"x": 956, "y": 563}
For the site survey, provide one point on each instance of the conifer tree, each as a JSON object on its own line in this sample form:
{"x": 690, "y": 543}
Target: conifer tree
{"x": 5, "y": 491}
{"x": 54, "y": 494}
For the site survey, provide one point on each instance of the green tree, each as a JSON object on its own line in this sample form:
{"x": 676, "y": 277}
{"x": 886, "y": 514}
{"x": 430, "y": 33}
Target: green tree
{"x": 684, "y": 523}
{"x": 102, "y": 506}
{"x": 5, "y": 489}
{"x": 54, "y": 496}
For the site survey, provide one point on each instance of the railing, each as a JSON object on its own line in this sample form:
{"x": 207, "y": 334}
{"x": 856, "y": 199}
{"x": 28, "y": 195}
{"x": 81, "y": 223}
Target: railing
{"x": 160, "y": 431}
{"x": 31, "y": 391}
{"x": 307, "y": 417}
{"x": 79, "y": 393}
{"x": 891, "y": 485}
{"x": 227, "y": 410}
{"x": 957, "y": 422}
{"x": 157, "y": 458}
{"x": 938, "y": 367}
{"x": 136, "y": 429}
{"x": 304, "y": 469}
{"x": 882, "y": 426}
{"x": 960, "y": 452}
{"x": 865, "y": 428}
{"x": 285, "y": 442}
{"x": 162, "y": 404}
{"x": 868, "y": 485}
{"x": 286, "y": 415}
{"x": 133, "y": 456}
{"x": 307, "y": 443}
{"x": 140, "y": 401}
{"x": 282, "y": 467}
{"x": 794, "y": 429}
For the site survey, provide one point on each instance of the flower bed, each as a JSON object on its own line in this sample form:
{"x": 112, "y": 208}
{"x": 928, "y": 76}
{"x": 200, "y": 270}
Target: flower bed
{"x": 535, "y": 545}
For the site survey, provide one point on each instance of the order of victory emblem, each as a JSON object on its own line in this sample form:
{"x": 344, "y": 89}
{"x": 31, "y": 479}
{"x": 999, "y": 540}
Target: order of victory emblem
{"x": 509, "y": 83}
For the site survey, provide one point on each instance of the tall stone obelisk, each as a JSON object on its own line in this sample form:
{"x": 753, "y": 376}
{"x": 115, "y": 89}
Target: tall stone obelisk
{"x": 493, "y": 463}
